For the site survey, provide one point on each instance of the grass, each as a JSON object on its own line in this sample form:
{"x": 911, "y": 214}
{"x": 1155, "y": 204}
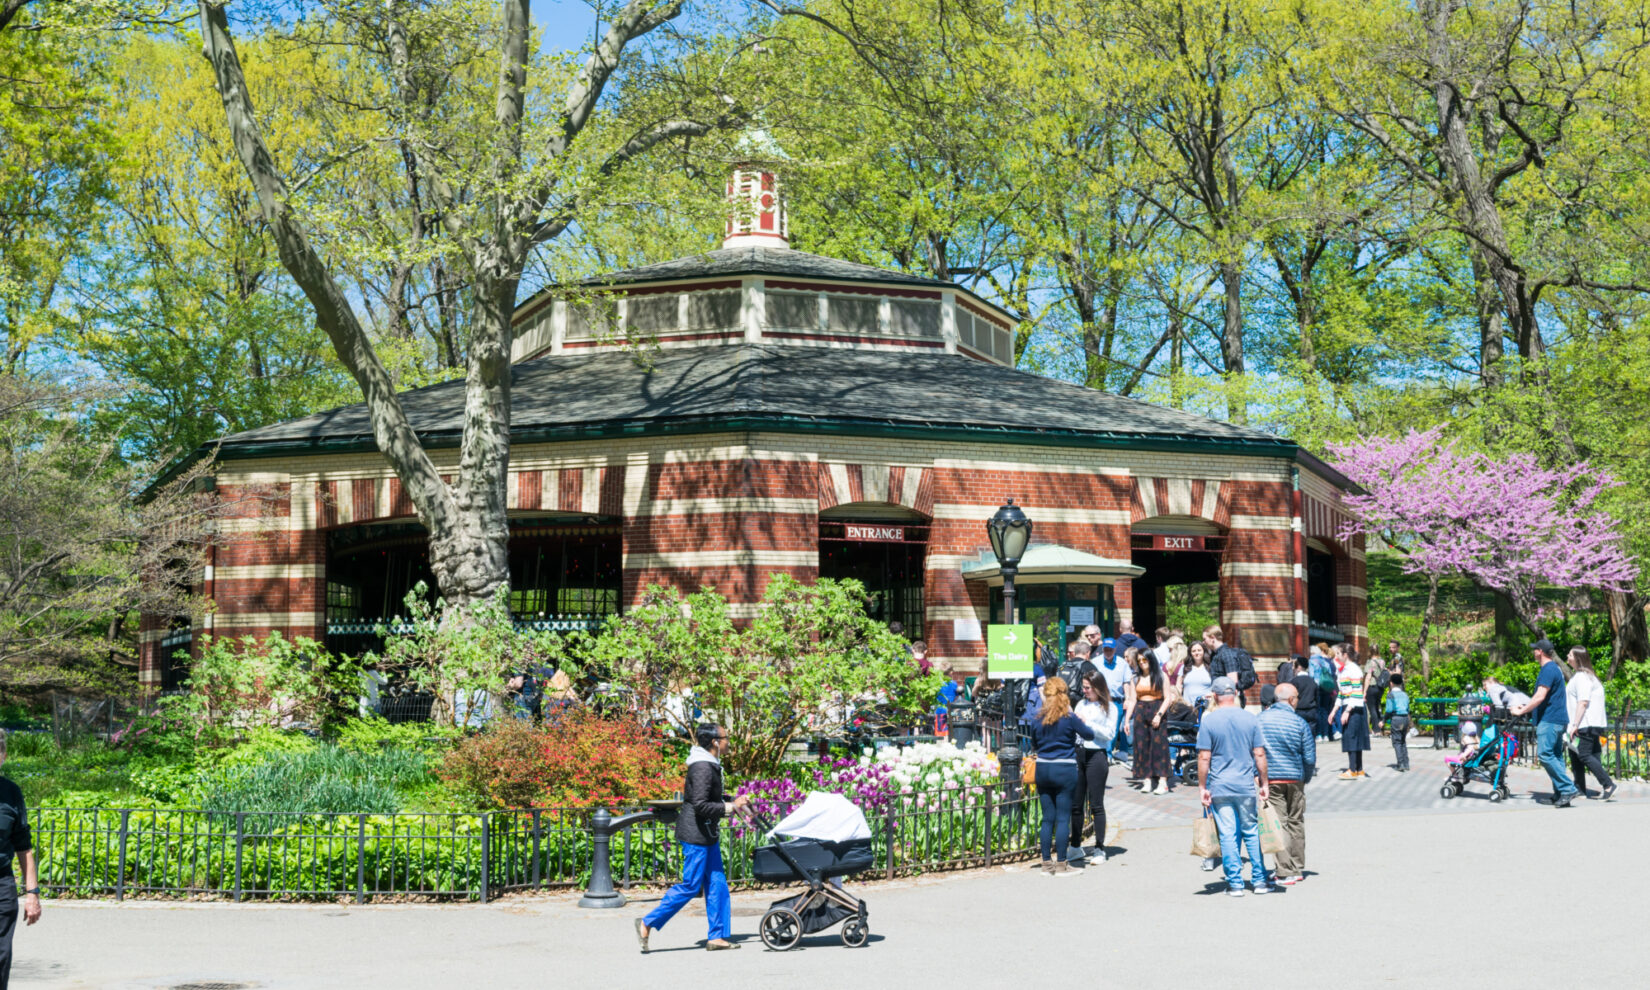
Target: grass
{"x": 324, "y": 779}
{"x": 46, "y": 773}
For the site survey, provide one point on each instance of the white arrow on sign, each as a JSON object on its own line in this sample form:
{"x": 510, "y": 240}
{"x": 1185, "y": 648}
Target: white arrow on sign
{"x": 1011, "y": 637}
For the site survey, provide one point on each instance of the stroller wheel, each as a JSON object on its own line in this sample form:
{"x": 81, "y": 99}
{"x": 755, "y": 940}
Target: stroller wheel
{"x": 1448, "y": 791}
{"x": 1498, "y": 795}
{"x": 781, "y": 929}
{"x": 855, "y": 933}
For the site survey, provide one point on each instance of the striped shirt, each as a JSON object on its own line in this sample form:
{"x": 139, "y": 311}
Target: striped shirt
{"x": 1349, "y": 684}
{"x": 1290, "y": 749}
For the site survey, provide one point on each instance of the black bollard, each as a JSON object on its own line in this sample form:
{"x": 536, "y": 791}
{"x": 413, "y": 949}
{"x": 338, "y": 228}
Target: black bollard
{"x": 603, "y": 826}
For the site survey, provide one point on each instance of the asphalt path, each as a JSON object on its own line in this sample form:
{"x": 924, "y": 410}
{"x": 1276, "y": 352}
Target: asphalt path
{"x": 1517, "y": 894}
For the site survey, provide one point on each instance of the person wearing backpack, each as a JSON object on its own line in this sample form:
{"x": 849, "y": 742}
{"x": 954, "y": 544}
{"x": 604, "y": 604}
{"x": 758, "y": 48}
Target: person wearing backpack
{"x": 1229, "y": 661}
{"x": 1323, "y": 672}
{"x": 1076, "y": 670}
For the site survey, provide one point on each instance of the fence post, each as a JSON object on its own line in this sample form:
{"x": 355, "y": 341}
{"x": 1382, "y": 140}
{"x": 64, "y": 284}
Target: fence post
{"x": 240, "y": 844}
{"x": 1619, "y": 721}
{"x": 361, "y": 859}
{"x": 990, "y": 801}
{"x": 486, "y": 821}
{"x": 120, "y": 864}
{"x": 888, "y": 830}
{"x": 537, "y": 871}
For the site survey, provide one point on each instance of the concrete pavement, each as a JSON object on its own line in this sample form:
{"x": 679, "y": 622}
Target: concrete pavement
{"x": 1395, "y": 896}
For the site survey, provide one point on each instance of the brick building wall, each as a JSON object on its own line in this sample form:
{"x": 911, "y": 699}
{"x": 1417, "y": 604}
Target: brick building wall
{"x": 734, "y": 509}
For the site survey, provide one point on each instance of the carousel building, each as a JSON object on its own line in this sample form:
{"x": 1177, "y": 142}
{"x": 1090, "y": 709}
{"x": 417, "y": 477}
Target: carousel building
{"x": 797, "y": 414}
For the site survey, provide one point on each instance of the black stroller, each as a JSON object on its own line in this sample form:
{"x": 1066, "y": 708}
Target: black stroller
{"x": 819, "y": 863}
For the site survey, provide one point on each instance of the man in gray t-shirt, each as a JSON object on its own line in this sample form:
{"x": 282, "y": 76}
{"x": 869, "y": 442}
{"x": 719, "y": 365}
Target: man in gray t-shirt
{"x": 1231, "y": 763}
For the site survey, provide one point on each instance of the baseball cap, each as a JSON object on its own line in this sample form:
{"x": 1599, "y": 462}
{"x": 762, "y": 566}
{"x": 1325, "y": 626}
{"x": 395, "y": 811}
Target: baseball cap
{"x": 1109, "y": 643}
{"x": 1545, "y": 646}
{"x": 1223, "y": 686}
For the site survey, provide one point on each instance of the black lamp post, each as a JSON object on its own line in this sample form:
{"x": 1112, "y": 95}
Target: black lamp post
{"x": 1010, "y": 533}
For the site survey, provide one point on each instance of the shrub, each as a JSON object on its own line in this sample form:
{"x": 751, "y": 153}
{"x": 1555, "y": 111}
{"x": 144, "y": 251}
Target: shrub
{"x": 374, "y": 733}
{"x": 322, "y": 779}
{"x": 236, "y": 686}
{"x": 582, "y": 761}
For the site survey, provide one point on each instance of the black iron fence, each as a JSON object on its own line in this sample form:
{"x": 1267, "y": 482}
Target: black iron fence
{"x": 102, "y": 852}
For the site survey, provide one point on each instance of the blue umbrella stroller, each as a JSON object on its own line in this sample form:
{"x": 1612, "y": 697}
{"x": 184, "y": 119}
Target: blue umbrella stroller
{"x": 823, "y": 840}
{"x": 1488, "y": 764}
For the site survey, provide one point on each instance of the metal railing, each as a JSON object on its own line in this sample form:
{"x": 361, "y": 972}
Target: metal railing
{"x": 122, "y": 852}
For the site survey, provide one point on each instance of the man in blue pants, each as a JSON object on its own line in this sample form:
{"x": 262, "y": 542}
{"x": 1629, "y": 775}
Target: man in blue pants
{"x": 703, "y": 806}
{"x": 1551, "y": 717}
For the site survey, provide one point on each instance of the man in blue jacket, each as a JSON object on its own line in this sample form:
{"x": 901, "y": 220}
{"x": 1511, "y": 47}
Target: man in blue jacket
{"x": 1291, "y": 759}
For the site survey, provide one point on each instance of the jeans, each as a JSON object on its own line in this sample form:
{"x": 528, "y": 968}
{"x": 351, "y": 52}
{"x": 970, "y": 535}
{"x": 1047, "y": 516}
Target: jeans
{"x": 1549, "y": 748}
{"x": 9, "y": 913}
{"x": 1323, "y": 722}
{"x": 1585, "y": 757}
{"x": 1237, "y": 819}
{"x": 1120, "y": 747}
{"x": 1289, "y": 801}
{"x": 1092, "y": 770}
{"x": 1056, "y": 790}
{"x": 1399, "y": 724}
{"x": 702, "y": 873}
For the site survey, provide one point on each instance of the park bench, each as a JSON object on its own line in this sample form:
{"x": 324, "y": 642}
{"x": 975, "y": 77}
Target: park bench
{"x": 1443, "y": 725}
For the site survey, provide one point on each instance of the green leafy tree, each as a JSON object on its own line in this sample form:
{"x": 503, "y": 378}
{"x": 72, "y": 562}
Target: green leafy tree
{"x": 808, "y": 658}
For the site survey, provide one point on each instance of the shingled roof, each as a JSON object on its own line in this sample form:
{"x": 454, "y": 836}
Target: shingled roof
{"x": 755, "y": 386}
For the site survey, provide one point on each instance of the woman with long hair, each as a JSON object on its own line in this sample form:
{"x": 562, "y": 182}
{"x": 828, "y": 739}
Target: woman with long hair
{"x": 1151, "y": 736}
{"x": 1092, "y": 766}
{"x": 1054, "y": 735}
{"x": 1587, "y": 724}
{"x": 1175, "y": 666}
{"x": 1195, "y": 679}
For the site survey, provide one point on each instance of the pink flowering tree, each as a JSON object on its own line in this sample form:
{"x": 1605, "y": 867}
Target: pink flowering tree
{"x": 1508, "y": 524}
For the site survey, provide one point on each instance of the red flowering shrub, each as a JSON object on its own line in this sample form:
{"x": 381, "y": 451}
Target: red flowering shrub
{"x": 581, "y": 761}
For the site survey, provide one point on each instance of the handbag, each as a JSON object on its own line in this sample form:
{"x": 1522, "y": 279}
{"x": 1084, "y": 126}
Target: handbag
{"x": 1028, "y": 770}
{"x": 1205, "y": 840}
{"x": 1272, "y": 839}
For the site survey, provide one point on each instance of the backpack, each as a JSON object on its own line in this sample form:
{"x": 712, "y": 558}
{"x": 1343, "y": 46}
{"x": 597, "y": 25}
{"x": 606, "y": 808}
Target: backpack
{"x": 1072, "y": 673}
{"x": 1383, "y": 679}
{"x": 1235, "y": 662}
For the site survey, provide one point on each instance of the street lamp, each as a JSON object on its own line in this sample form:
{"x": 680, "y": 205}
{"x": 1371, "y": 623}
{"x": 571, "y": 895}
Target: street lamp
{"x": 1010, "y": 533}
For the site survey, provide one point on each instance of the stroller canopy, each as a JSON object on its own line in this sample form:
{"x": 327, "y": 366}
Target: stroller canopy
{"x": 826, "y": 817}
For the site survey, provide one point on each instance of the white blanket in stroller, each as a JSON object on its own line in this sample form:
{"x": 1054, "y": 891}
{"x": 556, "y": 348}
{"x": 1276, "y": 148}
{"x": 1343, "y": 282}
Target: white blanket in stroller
{"x": 826, "y": 817}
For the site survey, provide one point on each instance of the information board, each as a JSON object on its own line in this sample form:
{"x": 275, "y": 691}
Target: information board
{"x": 1009, "y": 650}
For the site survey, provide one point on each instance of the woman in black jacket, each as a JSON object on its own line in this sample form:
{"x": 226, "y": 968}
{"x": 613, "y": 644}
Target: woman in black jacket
{"x": 703, "y": 806}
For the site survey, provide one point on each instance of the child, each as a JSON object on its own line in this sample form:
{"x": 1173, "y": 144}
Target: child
{"x": 1397, "y": 722}
{"x": 1469, "y": 743}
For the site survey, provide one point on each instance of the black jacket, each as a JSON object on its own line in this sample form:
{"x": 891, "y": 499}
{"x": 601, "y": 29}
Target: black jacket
{"x": 702, "y": 804}
{"x": 1307, "y": 689}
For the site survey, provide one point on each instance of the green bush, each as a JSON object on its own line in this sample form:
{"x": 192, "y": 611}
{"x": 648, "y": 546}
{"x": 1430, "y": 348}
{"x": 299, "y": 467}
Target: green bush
{"x": 323, "y": 779}
{"x": 374, "y": 733}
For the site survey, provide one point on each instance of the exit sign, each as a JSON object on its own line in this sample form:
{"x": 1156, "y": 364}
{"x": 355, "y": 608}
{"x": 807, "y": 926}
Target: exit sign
{"x": 879, "y": 534}
{"x": 1177, "y": 543}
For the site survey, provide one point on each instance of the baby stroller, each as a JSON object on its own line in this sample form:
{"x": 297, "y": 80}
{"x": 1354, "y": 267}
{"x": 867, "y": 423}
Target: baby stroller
{"x": 1183, "y": 741}
{"x": 828, "y": 839}
{"x": 1488, "y": 764}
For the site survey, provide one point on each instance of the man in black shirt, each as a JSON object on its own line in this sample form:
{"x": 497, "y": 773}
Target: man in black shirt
{"x": 1306, "y": 690}
{"x": 15, "y": 842}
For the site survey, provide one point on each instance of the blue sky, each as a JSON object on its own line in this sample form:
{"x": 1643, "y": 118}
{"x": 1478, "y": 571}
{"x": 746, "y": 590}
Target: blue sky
{"x": 566, "y": 23}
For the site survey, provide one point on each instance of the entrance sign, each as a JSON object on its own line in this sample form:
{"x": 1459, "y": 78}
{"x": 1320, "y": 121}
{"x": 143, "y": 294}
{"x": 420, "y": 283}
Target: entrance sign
{"x": 963, "y": 630}
{"x": 1177, "y": 543}
{"x": 880, "y": 534}
{"x": 1081, "y": 615}
{"x": 1009, "y": 650}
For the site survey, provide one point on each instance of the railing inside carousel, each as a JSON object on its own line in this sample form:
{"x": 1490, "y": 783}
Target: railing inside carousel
{"x": 585, "y": 622}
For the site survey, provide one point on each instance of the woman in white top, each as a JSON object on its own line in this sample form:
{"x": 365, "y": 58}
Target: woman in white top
{"x": 1195, "y": 680}
{"x": 1093, "y": 766}
{"x": 1584, "y": 696}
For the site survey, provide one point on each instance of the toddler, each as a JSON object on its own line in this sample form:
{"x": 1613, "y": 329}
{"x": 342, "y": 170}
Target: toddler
{"x": 1469, "y": 744}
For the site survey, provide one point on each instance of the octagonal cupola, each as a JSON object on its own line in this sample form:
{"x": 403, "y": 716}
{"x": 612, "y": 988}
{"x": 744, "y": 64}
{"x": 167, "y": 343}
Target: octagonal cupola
{"x": 756, "y": 201}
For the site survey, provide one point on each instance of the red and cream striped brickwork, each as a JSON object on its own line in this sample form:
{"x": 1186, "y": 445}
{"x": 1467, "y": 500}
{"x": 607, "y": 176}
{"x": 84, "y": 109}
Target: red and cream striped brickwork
{"x": 735, "y": 509}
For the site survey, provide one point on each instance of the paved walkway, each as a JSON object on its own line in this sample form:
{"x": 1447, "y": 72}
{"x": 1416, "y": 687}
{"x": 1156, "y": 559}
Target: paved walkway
{"x": 1383, "y": 791}
{"x": 1424, "y": 889}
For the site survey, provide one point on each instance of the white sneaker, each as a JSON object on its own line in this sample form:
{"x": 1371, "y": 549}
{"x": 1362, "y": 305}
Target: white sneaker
{"x": 1096, "y": 854}
{"x": 1162, "y": 787}
{"x": 1209, "y": 864}
{"x": 1262, "y": 888}
{"x": 1234, "y": 892}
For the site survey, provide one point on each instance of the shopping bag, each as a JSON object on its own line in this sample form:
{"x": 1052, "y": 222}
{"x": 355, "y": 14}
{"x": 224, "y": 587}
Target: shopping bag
{"x": 1205, "y": 841}
{"x": 1272, "y": 839}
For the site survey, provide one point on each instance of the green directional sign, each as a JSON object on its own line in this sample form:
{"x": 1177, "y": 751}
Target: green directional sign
{"x": 1009, "y": 649}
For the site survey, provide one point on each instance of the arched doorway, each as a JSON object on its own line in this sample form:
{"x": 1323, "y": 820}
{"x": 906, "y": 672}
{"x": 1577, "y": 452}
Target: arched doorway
{"x": 884, "y": 547}
{"x": 1181, "y": 556}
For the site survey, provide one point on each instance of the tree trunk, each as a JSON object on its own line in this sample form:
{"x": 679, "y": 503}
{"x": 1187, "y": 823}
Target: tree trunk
{"x": 1630, "y": 639}
{"x": 1491, "y": 332}
{"x": 1231, "y": 338}
{"x": 1427, "y": 619}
